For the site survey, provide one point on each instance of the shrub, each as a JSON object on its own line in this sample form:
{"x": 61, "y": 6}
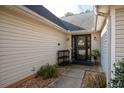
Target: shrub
{"x": 48, "y": 71}
{"x": 118, "y": 81}
{"x": 95, "y": 53}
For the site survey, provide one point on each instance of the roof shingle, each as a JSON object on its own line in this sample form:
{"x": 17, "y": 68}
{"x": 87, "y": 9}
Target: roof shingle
{"x": 72, "y": 23}
{"x": 42, "y": 11}
{"x": 84, "y": 21}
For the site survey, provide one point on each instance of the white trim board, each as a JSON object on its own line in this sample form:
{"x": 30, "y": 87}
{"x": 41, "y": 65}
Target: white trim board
{"x": 113, "y": 38}
{"x": 82, "y": 32}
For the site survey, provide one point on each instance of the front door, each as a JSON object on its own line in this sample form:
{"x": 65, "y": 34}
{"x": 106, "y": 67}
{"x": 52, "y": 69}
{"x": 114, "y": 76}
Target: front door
{"x": 81, "y": 47}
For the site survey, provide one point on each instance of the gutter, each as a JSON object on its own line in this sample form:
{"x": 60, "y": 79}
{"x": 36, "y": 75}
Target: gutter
{"x": 82, "y": 32}
{"x": 46, "y": 21}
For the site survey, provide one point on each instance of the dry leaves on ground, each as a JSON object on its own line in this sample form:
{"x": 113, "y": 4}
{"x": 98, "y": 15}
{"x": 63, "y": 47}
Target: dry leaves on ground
{"x": 39, "y": 82}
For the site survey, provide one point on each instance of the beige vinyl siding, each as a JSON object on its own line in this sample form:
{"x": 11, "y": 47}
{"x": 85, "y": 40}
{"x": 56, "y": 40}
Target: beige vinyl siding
{"x": 95, "y": 44}
{"x": 25, "y": 43}
{"x": 119, "y": 13}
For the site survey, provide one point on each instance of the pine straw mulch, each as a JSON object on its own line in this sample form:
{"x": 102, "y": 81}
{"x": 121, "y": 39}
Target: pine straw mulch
{"x": 39, "y": 82}
{"x": 93, "y": 79}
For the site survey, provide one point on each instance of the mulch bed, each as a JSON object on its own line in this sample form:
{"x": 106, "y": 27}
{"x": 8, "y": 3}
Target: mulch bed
{"x": 93, "y": 79}
{"x": 39, "y": 82}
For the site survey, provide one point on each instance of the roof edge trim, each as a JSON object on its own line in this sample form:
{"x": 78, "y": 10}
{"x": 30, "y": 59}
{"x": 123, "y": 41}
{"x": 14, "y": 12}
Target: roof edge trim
{"x": 44, "y": 19}
{"x": 82, "y": 31}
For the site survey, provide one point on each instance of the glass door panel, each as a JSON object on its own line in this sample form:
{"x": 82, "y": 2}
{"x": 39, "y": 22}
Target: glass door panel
{"x": 81, "y": 47}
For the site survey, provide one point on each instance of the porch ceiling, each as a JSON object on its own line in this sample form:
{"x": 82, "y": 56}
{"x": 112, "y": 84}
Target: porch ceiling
{"x": 102, "y": 11}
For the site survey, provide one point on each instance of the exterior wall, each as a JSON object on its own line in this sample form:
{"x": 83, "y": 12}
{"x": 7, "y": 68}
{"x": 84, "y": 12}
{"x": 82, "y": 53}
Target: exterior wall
{"x": 119, "y": 47}
{"x": 95, "y": 43}
{"x": 105, "y": 51}
{"x": 25, "y": 44}
{"x": 68, "y": 38}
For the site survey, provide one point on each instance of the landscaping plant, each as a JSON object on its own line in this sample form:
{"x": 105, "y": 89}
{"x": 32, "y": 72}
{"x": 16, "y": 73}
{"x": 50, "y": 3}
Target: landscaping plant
{"x": 118, "y": 81}
{"x": 48, "y": 71}
{"x": 95, "y": 54}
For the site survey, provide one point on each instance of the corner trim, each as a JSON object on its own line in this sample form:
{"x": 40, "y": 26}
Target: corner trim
{"x": 113, "y": 38}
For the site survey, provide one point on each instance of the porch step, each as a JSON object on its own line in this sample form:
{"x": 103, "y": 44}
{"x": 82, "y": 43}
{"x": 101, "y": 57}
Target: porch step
{"x": 88, "y": 63}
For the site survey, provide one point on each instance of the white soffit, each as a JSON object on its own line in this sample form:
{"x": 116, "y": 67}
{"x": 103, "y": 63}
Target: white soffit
{"x": 100, "y": 21}
{"x": 102, "y": 12}
{"x": 119, "y": 6}
{"x": 103, "y": 9}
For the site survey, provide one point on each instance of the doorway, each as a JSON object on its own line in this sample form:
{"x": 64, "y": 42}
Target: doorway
{"x": 81, "y": 48}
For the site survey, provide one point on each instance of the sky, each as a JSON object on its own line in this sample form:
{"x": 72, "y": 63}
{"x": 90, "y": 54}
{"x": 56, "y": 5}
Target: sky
{"x": 60, "y": 10}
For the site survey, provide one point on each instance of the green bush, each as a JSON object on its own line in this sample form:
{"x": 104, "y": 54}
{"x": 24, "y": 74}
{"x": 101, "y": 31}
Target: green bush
{"x": 48, "y": 71}
{"x": 95, "y": 53}
{"x": 118, "y": 81}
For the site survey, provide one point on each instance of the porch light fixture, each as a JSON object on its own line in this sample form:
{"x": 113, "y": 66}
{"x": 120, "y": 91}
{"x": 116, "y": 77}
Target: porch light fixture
{"x": 95, "y": 38}
{"x": 58, "y": 44}
{"x": 67, "y": 39}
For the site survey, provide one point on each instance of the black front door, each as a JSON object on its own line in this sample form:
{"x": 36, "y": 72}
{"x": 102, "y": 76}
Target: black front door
{"x": 81, "y": 47}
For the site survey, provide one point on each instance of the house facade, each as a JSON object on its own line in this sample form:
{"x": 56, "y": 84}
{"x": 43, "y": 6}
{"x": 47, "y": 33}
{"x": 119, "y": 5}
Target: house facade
{"x": 30, "y": 37}
{"x": 112, "y": 36}
{"x": 27, "y": 41}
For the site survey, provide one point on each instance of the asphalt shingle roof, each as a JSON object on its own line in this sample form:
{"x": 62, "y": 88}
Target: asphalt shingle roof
{"x": 41, "y": 10}
{"x": 72, "y": 23}
{"x": 84, "y": 21}
{"x": 72, "y": 27}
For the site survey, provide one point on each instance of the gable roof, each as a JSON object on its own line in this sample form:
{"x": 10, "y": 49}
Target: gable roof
{"x": 83, "y": 21}
{"x": 72, "y": 27}
{"x": 72, "y": 23}
{"x": 42, "y": 11}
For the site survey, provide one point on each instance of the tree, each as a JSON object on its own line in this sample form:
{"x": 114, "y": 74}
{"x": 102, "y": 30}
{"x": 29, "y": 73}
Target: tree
{"x": 69, "y": 14}
{"x": 82, "y": 12}
{"x": 87, "y": 11}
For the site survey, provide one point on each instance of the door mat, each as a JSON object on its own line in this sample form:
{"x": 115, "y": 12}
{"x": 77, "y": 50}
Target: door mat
{"x": 93, "y": 79}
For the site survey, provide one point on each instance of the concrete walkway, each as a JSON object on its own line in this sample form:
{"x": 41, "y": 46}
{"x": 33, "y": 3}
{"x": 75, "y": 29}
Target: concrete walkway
{"x": 72, "y": 78}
